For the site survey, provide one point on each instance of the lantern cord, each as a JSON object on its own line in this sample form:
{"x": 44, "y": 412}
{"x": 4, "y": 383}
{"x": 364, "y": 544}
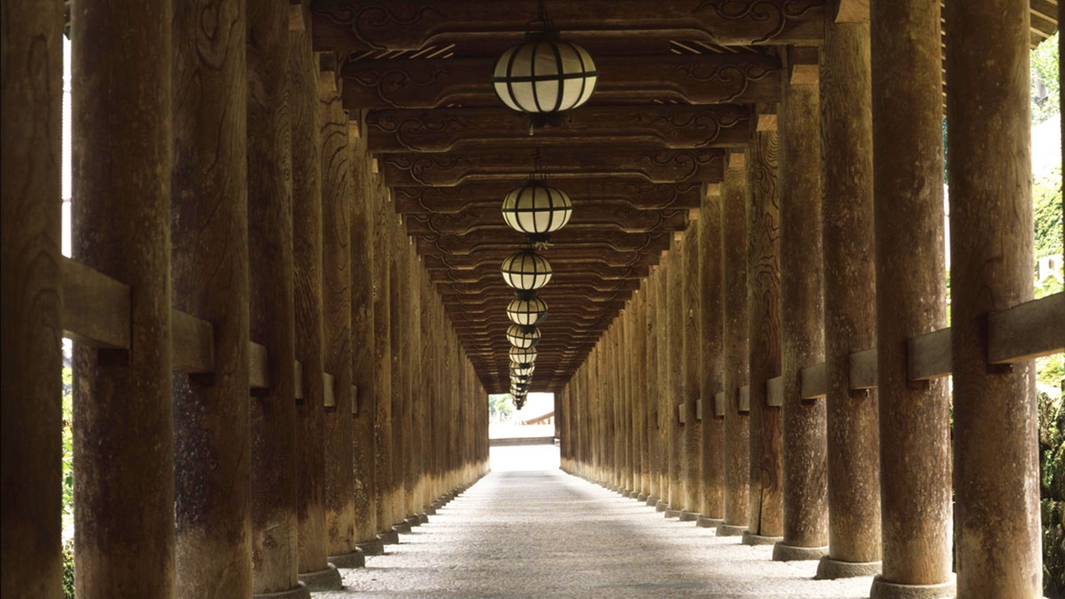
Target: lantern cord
{"x": 542, "y": 11}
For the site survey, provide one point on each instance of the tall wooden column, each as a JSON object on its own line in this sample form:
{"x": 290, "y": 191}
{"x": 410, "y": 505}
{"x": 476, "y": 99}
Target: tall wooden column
{"x": 124, "y": 437}
{"x": 737, "y": 420}
{"x": 802, "y": 326}
{"x": 335, "y": 137}
{"x": 31, "y": 310}
{"x": 763, "y": 298}
{"x": 996, "y": 421}
{"x": 308, "y": 260}
{"x": 209, "y": 270}
{"x": 711, "y": 356}
{"x": 415, "y": 395}
{"x": 652, "y": 389}
{"x": 692, "y": 340}
{"x": 363, "y": 342}
{"x": 667, "y": 411}
{"x": 910, "y": 286}
{"x": 850, "y": 302}
{"x": 640, "y": 403}
{"x": 399, "y": 293}
{"x": 674, "y": 345}
{"x": 382, "y": 251}
{"x": 270, "y": 235}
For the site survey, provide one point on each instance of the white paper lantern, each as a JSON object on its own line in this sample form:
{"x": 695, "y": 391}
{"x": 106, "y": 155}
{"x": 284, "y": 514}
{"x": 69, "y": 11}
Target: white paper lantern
{"x": 526, "y": 270}
{"x": 527, "y": 311}
{"x": 536, "y": 208}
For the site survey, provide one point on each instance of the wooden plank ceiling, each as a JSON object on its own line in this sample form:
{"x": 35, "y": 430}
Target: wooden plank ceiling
{"x": 681, "y": 83}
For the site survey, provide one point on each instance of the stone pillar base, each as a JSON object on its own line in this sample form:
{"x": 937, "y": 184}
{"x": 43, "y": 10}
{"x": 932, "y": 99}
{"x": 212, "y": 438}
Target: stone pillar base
{"x": 430, "y": 511}
{"x": 670, "y": 513}
{"x": 402, "y": 528}
{"x": 436, "y": 505}
{"x": 704, "y": 522}
{"x": 686, "y": 516}
{"x": 375, "y": 547}
{"x": 641, "y": 497}
{"x": 750, "y": 538}
{"x": 791, "y": 553}
{"x": 323, "y": 580}
{"x": 423, "y": 518}
{"x": 413, "y": 521}
{"x": 830, "y": 569}
{"x": 355, "y": 559}
{"x": 729, "y": 530}
{"x": 882, "y": 589}
{"x": 661, "y": 506}
{"x": 651, "y": 501}
{"x": 635, "y": 495}
{"x": 389, "y": 538}
{"x": 299, "y": 592}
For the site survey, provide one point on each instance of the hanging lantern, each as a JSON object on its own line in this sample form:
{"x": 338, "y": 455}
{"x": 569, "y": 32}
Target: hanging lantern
{"x": 519, "y": 389}
{"x": 520, "y": 336}
{"x": 523, "y": 355}
{"x": 526, "y": 310}
{"x": 519, "y": 401}
{"x": 545, "y": 76}
{"x": 522, "y": 369}
{"x": 536, "y": 208}
{"x": 526, "y": 270}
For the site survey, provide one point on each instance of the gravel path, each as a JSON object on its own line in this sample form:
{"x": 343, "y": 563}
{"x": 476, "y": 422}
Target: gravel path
{"x": 530, "y": 530}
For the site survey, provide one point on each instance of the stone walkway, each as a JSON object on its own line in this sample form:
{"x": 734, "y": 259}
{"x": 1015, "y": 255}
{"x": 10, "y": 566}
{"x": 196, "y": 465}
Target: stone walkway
{"x": 530, "y": 530}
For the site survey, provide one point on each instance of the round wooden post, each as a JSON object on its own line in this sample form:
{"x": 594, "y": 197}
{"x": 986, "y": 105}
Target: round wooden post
{"x": 335, "y": 140}
{"x": 307, "y": 210}
{"x": 674, "y": 345}
{"x": 915, "y": 466}
{"x": 802, "y": 326}
{"x": 850, "y": 302}
{"x": 763, "y": 297}
{"x": 363, "y": 342}
{"x": 270, "y": 235}
{"x": 641, "y": 400}
{"x": 996, "y": 420}
{"x": 399, "y": 292}
{"x": 382, "y": 250}
{"x": 414, "y": 395}
{"x": 691, "y": 323}
{"x": 209, "y": 270}
{"x": 31, "y": 310}
{"x": 662, "y": 390}
{"x": 711, "y": 357}
{"x": 123, "y": 406}
{"x": 737, "y": 419}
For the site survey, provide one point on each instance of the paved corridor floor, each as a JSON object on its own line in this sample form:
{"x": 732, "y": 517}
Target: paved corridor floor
{"x": 530, "y": 530}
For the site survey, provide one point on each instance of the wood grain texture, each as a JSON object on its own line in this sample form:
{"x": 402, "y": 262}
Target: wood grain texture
{"x": 1026, "y": 331}
{"x": 691, "y": 322}
{"x": 332, "y": 141}
{"x": 906, "y": 73}
{"x": 96, "y": 309}
{"x": 711, "y": 351}
{"x": 32, "y": 310}
{"x": 850, "y": 292}
{"x": 308, "y": 258}
{"x": 123, "y": 401}
{"x": 734, "y": 228}
{"x": 763, "y": 260}
{"x": 271, "y": 276}
{"x": 382, "y": 353}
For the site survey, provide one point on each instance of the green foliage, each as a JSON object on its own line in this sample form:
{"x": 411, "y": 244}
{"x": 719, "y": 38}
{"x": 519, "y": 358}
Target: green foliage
{"x": 499, "y": 406}
{"x": 1046, "y": 98}
{"x": 68, "y": 569}
{"x": 1046, "y": 204}
{"x": 68, "y": 484}
{"x": 1052, "y": 491}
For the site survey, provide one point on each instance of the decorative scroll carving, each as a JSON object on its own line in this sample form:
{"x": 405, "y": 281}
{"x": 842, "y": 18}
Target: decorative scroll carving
{"x": 638, "y": 193}
{"x": 773, "y": 16}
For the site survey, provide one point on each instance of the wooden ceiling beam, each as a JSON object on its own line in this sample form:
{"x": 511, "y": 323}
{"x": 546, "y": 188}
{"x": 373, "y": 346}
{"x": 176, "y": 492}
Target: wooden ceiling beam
{"x": 662, "y": 126}
{"x": 485, "y": 219}
{"x": 447, "y": 170}
{"x": 584, "y": 260}
{"x": 744, "y": 78}
{"x": 637, "y": 193}
{"x": 368, "y": 25}
{"x": 606, "y": 275}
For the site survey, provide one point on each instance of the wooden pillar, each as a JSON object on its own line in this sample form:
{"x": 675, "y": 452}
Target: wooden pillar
{"x": 641, "y": 402}
{"x": 414, "y": 395}
{"x": 674, "y": 345}
{"x": 691, "y": 324}
{"x": 123, "y": 408}
{"x": 307, "y": 210}
{"x": 711, "y": 354}
{"x": 802, "y": 326}
{"x": 363, "y": 342}
{"x": 996, "y": 420}
{"x": 737, "y": 412}
{"x": 661, "y": 384}
{"x": 31, "y": 310}
{"x": 336, "y": 136}
{"x": 425, "y": 396}
{"x": 651, "y": 394}
{"x": 763, "y": 298}
{"x": 382, "y": 251}
{"x": 399, "y": 298}
{"x": 270, "y": 235}
{"x": 627, "y": 418}
{"x": 209, "y": 270}
{"x": 850, "y": 302}
{"x": 910, "y": 286}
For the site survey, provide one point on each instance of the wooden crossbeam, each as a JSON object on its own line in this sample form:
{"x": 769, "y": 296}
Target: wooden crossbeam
{"x": 382, "y": 25}
{"x": 653, "y": 125}
{"x": 636, "y": 193}
{"x": 695, "y": 79}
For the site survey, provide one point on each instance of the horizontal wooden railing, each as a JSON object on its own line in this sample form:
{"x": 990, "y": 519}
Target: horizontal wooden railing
{"x": 96, "y": 312}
